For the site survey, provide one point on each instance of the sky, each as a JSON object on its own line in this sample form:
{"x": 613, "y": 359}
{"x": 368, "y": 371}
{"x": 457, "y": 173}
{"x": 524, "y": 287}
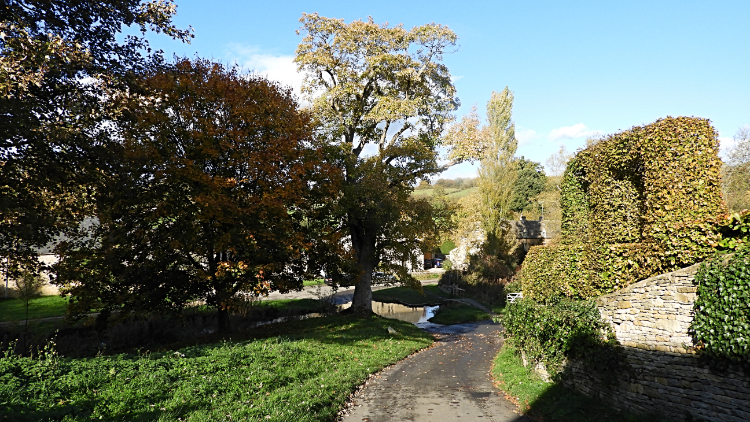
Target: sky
{"x": 577, "y": 68}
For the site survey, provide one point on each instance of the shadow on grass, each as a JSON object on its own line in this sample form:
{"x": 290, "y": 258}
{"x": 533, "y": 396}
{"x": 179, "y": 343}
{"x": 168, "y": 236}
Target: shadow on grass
{"x": 553, "y": 402}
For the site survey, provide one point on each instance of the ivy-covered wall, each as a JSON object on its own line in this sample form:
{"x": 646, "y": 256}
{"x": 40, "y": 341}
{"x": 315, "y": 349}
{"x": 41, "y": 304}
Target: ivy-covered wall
{"x": 635, "y": 204}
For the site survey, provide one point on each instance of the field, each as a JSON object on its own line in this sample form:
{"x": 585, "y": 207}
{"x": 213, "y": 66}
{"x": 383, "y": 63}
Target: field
{"x": 452, "y": 192}
{"x": 296, "y": 371}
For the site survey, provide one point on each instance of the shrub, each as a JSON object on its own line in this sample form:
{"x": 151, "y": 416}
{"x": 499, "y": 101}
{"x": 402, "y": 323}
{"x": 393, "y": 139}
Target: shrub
{"x": 721, "y": 326}
{"x": 562, "y": 329}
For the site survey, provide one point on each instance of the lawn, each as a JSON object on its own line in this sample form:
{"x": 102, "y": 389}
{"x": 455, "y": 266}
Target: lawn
{"x": 458, "y": 313}
{"x": 549, "y": 401}
{"x": 405, "y": 296}
{"x": 291, "y": 306}
{"x": 426, "y": 275}
{"x": 315, "y": 282}
{"x": 39, "y": 307}
{"x": 296, "y": 371}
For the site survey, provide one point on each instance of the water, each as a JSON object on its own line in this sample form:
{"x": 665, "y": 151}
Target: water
{"x": 415, "y": 314}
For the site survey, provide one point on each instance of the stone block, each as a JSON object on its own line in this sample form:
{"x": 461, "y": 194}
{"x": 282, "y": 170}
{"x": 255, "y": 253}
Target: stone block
{"x": 623, "y": 304}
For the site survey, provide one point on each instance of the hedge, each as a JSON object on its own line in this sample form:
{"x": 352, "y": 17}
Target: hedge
{"x": 635, "y": 204}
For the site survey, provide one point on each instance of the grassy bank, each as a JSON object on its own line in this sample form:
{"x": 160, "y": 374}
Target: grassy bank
{"x": 552, "y": 402}
{"x": 405, "y": 296}
{"x": 458, "y": 313}
{"x": 39, "y": 307}
{"x": 297, "y": 371}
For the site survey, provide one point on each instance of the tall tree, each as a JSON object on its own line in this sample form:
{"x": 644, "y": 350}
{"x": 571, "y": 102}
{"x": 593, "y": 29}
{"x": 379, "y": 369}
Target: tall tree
{"x": 482, "y": 224}
{"x": 498, "y": 170}
{"x": 215, "y": 195}
{"x": 64, "y": 67}
{"x": 387, "y": 89}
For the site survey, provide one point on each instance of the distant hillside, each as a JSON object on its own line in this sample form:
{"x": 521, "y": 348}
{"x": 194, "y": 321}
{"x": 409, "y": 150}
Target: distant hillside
{"x": 452, "y": 192}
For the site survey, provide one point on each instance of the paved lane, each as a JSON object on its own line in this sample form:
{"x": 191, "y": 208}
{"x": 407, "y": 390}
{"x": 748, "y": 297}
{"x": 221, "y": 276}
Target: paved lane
{"x": 451, "y": 381}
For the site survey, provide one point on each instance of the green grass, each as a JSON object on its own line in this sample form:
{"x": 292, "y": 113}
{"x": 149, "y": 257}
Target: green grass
{"x": 458, "y": 313}
{"x": 297, "y": 371}
{"x": 434, "y": 289}
{"x": 551, "y": 402}
{"x": 292, "y": 305}
{"x": 316, "y": 282}
{"x": 405, "y": 296}
{"x": 39, "y": 307}
{"x": 426, "y": 276}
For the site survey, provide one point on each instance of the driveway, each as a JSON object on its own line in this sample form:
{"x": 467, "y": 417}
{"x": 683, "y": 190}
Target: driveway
{"x": 450, "y": 381}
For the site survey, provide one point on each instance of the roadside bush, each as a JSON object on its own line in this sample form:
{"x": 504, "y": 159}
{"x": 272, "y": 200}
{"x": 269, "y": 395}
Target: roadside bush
{"x": 721, "y": 326}
{"x": 560, "y": 330}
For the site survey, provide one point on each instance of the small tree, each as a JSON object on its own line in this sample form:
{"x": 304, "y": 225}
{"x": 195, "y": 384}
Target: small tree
{"x": 28, "y": 286}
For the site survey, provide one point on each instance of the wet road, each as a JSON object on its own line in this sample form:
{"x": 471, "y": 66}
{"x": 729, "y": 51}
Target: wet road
{"x": 450, "y": 381}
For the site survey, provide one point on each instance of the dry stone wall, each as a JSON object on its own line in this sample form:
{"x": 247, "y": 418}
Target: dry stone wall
{"x": 661, "y": 372}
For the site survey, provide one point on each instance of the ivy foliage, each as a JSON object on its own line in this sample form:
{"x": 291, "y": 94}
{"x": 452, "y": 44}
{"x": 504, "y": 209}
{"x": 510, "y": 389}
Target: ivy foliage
{"x": 559, "y": 330}
{"x": 634, "y": 204}
{"x": 721, "y": 326}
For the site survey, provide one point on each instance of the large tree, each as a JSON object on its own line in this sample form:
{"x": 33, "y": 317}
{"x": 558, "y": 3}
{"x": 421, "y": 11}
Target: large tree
{"x": 217, "y": 192}
{"x": 64, "y": 67}
{"x": 383, "y": 97}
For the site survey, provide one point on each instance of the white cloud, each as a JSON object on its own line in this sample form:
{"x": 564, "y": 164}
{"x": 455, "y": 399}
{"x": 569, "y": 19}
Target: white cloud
{"x": 455, "y": 78}
{"x": 279, "y": 68}
{"x": 526, "y": 136}
{"x": 570, "y": 132}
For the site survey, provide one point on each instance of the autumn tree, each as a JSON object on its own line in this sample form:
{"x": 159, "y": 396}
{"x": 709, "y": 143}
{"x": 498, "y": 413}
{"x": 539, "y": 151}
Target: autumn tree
{"x": 63, "y": 68}
{"x": 383, "y": 97}
{"x": 218, "y": 192}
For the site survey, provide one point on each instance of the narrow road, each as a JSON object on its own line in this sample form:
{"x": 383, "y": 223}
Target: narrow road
{"x": 448, "y": 382}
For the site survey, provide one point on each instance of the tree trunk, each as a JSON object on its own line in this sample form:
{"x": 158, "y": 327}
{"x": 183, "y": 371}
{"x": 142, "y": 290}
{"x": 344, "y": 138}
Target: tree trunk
{"x": 364, "y": 247}
{"x": 223, "y": 314}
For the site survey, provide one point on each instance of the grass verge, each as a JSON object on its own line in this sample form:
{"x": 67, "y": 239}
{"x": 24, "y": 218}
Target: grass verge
{"x": 290, "y": 306}
{"x": 551, "y": 402}
{"x": 316, "y": 282}
{"x": 426, "y": 275}
{"x": 458, "y": 313}
{"x": 404, "y": 295}
{"x": 39, "y": 307}
{"x": 297, "y": 371}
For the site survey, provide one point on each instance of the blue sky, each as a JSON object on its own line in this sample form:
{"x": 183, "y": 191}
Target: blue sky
{"x": 576, "y": 67}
